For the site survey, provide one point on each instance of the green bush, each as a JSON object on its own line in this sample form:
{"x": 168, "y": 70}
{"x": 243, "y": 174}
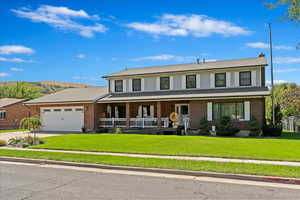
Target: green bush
{"x": 254, "y": 127}
{"x": 25, "y": 141}
{"x": 204, "y": 129}
{"x": 224, "y": 128}
{"x": 102, "y": 130}
{"x": 118, "y": 130}
{"x": 271, "y": 130}
{"x": 3, "y": 143}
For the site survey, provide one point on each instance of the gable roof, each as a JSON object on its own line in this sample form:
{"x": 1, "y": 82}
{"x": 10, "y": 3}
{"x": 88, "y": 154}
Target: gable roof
{"x": 70, "y": 95}
{"x": 9, "y": 101}
{"x": 246, "y": 62}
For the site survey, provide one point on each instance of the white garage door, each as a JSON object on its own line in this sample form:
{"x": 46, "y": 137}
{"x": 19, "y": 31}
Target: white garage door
{"x": 62, "y": 118}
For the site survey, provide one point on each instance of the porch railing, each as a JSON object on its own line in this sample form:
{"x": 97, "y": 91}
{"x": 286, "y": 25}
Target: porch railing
{"x": 134, "y": 122}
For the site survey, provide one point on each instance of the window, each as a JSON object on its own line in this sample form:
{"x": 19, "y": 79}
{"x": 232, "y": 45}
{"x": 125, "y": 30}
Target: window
{"x": 190, "y": 81}
{"x": 2, "y": 114}
{"x": 118, "y": 85}
{"x": 56, "y": 110}
{"x": 68, "y": 109}
{"x": 47, "y": 110}
{"x": 136, "y": 85}
{"x": 245, "y": 78}
{"x": 78, "y": 109}
{"x": 164, "y": 83}
{"x": 233, "y": 110}
{"x": 220, "y": 79}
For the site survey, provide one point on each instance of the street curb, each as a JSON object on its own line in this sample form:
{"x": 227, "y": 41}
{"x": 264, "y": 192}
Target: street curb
{"x": 156, "y": 170}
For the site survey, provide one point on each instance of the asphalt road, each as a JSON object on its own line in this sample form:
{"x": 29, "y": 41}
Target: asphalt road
{"x": 18, "y": 181}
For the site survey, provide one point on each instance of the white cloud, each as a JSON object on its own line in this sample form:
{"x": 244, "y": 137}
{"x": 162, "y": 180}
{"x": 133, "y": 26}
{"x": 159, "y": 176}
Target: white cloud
{"x": 165, "y": 57}
{"x": 262, "y": 45}
{"x": 285, "y": 70}
{"x": 16, "y": 69}
{"x": 276, "y": 82}
{"x": 81, "y": 56}
{"x": 14, "y": 60}
{"x": 63, "y": 18}
{"x": 286, "y": 60}
{"x": 184, "y": 25}
{"x": 15, "y": 49}
{"x": 2, "y": 74}
{"x": 82, "y": 78}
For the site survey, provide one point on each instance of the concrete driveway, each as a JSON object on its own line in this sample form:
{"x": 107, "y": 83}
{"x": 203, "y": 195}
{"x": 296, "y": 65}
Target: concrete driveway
{"x": 7, "y": 136}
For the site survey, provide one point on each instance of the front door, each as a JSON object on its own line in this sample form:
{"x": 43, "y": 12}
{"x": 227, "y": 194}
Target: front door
{"x": 183, "y": 111}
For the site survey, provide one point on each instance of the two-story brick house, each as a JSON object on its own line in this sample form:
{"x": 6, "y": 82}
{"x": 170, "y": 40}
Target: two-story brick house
{"x": 145, "y": 97}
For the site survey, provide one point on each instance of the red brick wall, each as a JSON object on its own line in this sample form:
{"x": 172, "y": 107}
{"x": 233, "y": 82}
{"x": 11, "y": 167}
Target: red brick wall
{"x": 14, "y": 114}
{"x": 198, "y": 110}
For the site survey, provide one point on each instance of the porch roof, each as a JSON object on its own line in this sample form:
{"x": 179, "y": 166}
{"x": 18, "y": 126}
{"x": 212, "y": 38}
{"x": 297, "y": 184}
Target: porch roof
{"x": 186, "y": 94}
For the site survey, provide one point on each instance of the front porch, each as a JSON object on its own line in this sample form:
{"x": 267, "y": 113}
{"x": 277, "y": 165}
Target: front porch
{"x": 143, "y": 115}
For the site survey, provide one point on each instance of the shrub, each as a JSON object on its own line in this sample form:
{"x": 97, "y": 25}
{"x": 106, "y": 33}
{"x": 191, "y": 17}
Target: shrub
{"x": 271, "y": 130}
{"x": 224, "y": 128}
{"x": 118, "y": 130}
{"x": 204, "y": 129}
{"x": 3, "y": 143}
{"x": 254, "y": 127}
{"x": 102, "y": 130}
{"x": 25, "y": 141}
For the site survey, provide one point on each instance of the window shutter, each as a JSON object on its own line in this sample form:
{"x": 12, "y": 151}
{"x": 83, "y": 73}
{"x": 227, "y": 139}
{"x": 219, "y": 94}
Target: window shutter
{"x": 183, "y": 82}
{"x": 158, "y": 83}
{"x": 152, "y": 111}
{"x": 171, "y": 82}
{"x": 124, "y": 85}
{"x": 228, "y": 79}
{"x": 253, "y": 78}
{"x": 247, "y": 110}
{"x": 130, "y": 85}
{"x": 212, "y": 80}
{"x": 142, "y": 84}
{"x": 198, "y": 80}
{"x": 209, "y": 111}
{"x": 112, "y": 85}
{"x": 236, "y": 79}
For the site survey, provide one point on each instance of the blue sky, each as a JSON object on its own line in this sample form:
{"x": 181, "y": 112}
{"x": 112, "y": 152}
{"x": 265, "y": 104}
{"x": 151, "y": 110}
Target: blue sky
{"x": 80, "y": 41}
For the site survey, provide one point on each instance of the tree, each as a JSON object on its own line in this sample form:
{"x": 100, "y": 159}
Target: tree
{"x": 293, "y": 9}
{"x": 32, "y": 124}
{"x": 20, "y": 90}
{"x": 284, "y": 94}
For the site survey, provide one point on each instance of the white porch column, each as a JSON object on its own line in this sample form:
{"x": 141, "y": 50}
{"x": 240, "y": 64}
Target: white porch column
{"x": 209, "y": 111}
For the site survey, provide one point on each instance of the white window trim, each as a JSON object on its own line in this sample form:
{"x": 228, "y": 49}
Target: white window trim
{"x": 228, "y": 79}
{"x": 3, "y": 111}
{"x": 171, "y": 82}
{"x": 142, "y": 84}
{"x": 212, "y": 80}
{"x": 130, "y": 85}
{"x": 183, "y": 82}
{"x": 198, "y": 81}
{"x": 253, "y": 78}
{"x": 237, "y": 79}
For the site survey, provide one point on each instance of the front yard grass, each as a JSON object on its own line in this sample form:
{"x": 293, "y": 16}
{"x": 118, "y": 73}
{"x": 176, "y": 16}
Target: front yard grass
{"x": 234, "y": 168}
{"x": 12, "y": 130}
{"x": 250, "y": 148}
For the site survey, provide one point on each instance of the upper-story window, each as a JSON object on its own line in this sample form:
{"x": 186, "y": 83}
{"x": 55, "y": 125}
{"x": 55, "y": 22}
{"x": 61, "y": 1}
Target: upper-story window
{"x": 190, "y": 81}
{"x": 245, "y": 78}
{"x": 2, "y": 114}
{"x": 164, "y": 83}
{"x": 118, "y": 85}
{"x": 220, "y": 79}
{"x": 136, "y": 84}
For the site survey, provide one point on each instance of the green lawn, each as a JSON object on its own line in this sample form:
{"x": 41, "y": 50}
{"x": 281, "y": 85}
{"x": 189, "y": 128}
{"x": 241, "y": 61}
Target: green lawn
{"x": 234, "y": 168}
{"x": 14, "y": 130}
{"x": 252, "y": 148}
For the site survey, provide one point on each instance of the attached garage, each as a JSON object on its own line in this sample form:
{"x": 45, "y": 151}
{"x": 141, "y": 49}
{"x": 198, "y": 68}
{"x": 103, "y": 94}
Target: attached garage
{"x": 70, "y": 109}
{"x": 62, "y": 118}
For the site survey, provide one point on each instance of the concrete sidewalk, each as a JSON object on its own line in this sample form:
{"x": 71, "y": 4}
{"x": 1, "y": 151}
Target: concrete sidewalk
{"x": 193, "y": 158}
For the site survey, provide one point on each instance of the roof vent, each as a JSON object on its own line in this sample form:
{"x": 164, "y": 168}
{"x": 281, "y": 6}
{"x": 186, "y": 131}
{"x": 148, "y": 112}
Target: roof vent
{"x": 261, "y": 55}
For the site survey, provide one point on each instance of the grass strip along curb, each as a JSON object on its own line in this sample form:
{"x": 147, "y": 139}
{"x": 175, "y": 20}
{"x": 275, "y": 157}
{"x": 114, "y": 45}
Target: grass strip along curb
{"x": 158, "y": 163}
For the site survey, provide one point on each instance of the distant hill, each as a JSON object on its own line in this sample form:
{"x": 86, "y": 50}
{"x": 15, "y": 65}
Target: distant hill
{"x": 49, "y": 87}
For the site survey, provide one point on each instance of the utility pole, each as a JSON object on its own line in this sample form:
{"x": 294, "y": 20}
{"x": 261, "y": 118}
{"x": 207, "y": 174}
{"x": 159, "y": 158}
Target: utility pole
{"x": 272, "y": 78}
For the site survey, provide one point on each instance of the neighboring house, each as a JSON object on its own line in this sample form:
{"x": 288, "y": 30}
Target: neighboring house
{"x": 12, "y": 111}
{"x": 145, "y": 97}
